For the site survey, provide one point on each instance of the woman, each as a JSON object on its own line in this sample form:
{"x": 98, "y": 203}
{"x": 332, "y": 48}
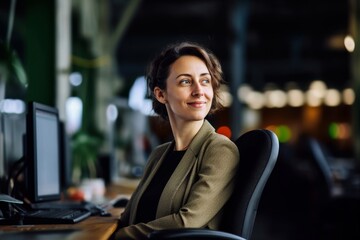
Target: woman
{"x": 187, "y": 181}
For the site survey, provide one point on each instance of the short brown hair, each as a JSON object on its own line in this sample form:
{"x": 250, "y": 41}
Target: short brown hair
{"x": 158, "y": 71}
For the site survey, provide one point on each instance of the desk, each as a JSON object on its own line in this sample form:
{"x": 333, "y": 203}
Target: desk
{"x": 94, "y": 227}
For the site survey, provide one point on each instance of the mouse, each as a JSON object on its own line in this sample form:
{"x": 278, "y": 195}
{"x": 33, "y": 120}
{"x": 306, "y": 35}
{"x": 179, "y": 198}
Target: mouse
{"x": 120, "y": 203}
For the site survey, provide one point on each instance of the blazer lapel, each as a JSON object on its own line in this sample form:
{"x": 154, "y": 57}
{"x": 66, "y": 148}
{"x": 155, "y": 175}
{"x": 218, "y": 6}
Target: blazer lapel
{"x": 176, "y": 179}
{"x": 181, "y": 172}
{"x": 148, "y": 180}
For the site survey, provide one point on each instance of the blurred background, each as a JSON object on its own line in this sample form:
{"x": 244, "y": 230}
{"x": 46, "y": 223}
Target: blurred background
{"x": 291, "y": 66}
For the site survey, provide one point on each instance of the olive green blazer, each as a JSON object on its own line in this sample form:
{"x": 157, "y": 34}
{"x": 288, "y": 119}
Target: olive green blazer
{"x": 195, "y": 193}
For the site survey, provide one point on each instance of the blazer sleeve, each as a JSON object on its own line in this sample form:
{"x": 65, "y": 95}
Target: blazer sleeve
{"x": 208, "y": 194}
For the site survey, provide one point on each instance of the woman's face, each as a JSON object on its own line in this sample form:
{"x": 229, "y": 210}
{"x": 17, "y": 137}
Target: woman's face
{"x": 189, "y": 93}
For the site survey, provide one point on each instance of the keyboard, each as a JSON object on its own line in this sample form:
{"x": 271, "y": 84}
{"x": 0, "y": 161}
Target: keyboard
{"x": 55, "y": 216}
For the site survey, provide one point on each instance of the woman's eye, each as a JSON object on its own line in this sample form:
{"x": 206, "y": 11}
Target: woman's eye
{"x": 205, "y": 81}
{"x": 185, "y": 81}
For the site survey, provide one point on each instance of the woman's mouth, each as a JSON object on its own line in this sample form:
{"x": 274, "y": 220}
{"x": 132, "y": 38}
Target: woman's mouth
{"x": 197, "y": 104}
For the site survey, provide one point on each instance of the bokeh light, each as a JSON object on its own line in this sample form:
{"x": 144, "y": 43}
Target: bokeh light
{"x": 283, "y": 132}
{"x": 340, "y": 131}
{"x": 349, "y": 43}
{"x": 332, "y": 97}
{"x": 224, "y": 130}
{"x": 348, "y": 96}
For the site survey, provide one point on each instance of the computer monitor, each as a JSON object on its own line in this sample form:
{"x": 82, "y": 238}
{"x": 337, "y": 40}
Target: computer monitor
{"x": 42, "y": 153}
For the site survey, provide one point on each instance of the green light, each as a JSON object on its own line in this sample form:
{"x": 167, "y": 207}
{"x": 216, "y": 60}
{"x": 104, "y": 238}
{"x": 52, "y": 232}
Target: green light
{"x": 333, "y": 130}
{"x": 283, "y": 132}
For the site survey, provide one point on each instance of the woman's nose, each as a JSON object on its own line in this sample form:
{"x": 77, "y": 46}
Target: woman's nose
{"x": 198, "y": 90}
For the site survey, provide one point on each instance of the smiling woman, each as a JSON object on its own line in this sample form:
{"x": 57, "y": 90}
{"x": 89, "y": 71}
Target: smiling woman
{"x": 188, "y": 180}
{"x": 188, "y": 95}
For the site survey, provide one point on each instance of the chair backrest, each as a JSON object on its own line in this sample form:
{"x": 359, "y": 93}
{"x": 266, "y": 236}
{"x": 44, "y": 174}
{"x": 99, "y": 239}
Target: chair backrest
{"x": 258, "y": 154}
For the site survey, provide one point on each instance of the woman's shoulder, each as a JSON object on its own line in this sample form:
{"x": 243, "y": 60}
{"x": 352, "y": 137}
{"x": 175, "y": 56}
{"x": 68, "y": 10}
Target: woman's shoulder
{"x": 217, "y": 138}
{"x": 208, "y": 139}
{"x": 217, "y": 144}
{"x": 211, "y": 136}
{"x": 219, "y": 150}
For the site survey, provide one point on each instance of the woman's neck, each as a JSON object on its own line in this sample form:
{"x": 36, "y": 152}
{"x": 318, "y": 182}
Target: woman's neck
{"x": 184, "y": 132}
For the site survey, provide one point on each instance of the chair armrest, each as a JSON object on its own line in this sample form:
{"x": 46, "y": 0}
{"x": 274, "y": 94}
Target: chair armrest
{"x": 192, "y": 233}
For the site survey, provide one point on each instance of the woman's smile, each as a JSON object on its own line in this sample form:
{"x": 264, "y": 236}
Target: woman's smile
{"x": 197, "y": 104}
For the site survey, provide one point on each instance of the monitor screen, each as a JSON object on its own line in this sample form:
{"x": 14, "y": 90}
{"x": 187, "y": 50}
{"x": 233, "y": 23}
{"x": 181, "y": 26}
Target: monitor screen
{"x": 43, "y": 152}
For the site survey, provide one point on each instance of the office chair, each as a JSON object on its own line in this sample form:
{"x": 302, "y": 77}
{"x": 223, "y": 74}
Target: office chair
{"x": 258, "y": 154}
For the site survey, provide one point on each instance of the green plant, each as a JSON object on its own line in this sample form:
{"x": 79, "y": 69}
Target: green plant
{"x": 85, "y": 149}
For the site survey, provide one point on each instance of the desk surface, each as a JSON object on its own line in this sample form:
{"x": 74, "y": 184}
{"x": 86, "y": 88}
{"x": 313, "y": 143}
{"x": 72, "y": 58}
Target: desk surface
{"x": 94, "y": 227}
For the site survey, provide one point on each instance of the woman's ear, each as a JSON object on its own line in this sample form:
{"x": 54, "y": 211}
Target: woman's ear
{"x": 160, "y": 95}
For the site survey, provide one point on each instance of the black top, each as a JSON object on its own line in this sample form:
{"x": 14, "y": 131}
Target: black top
{"x": 148, "y": 203}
